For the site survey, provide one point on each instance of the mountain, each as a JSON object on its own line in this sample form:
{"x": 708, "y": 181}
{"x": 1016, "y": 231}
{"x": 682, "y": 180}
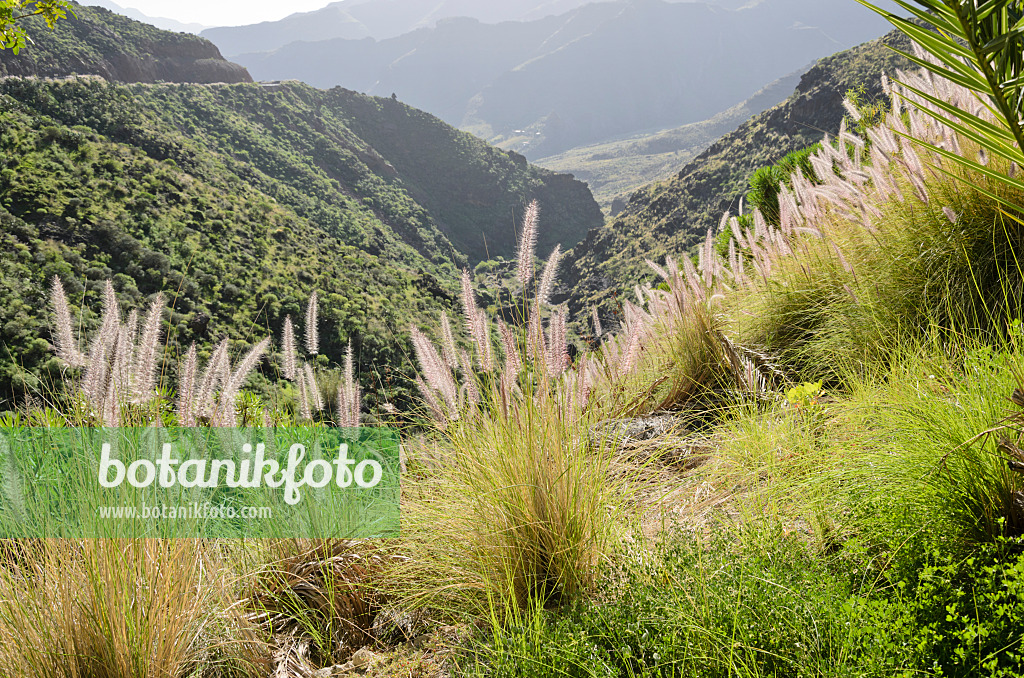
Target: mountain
{"x": 598, "y": 72}
{"x": 378, "y": 19}
{"x": 671, "y": 216}
{"x": 158, "y": 21}
{"x": 467, "y": 52}
{"x": 96, "y": 41}
{"x": 237, "y": 201}
{"x": 382, "y": 19}
{"x": 615, "y": 169}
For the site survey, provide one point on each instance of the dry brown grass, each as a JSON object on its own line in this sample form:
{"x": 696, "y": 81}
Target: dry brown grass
{"x": 119, "y": 609}
{"x": 320, "y": 601}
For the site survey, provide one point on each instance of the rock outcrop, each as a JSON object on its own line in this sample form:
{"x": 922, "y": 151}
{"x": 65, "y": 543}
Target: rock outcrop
{"x": 95, "y": 41}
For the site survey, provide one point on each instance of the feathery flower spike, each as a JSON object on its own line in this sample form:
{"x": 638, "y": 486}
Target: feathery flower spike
{"x": 312, "y": 328}
{"x": 527, "y": 244}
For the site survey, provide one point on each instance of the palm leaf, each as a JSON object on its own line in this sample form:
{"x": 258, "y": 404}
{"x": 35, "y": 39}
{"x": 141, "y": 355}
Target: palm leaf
{"x": 979, "y": 45}
{"x": 980, "y": 131}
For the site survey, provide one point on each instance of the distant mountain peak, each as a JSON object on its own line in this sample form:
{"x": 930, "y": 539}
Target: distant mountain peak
{"x": 160, "y": 22}
{"x": 597, "y": 72}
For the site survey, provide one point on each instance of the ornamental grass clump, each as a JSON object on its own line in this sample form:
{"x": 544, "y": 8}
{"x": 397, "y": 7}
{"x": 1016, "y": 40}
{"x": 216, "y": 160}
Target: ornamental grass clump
{"x": 118, "y": 386}
{"x": 141, "y": 608}
{"x": 517, "y": 501}
{"x": 348, "y": 401}
{"x": 523, "y": 497}
{"x": 952, "y": 447}
{"x": 318, "y": 602}
{"x": 672, "y": 352}
{"x": 888, "y": 236}
{"x": 119, "y": 366}
{"x": 907, "y": 241}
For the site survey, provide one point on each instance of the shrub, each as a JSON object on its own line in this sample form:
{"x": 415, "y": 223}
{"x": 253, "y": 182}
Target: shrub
{"x": 765, "y": 182}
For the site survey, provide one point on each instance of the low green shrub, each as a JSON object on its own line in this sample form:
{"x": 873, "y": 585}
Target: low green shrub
{"x": 691, "y": 611}
{"x": 768, "y": 606}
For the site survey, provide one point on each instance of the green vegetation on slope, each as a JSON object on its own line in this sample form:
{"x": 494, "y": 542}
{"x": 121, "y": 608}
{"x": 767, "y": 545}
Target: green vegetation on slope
{"x": 95, "y": 41}
{"x": 768, "y": 605}
{"x": 471, "y": 189}
{"x": 829, "y": 482}
{"x": 235, "y": 259}
{"x": 239, "y": 201}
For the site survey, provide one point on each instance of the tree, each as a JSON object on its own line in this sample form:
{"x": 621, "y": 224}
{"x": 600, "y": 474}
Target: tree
{"x": 12, "y": 34}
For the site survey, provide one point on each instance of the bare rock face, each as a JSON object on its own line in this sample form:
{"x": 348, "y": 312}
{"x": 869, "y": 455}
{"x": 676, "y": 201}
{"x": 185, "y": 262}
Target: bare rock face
{"x": 625, "y": 432}
{"x": 95, "y": 41}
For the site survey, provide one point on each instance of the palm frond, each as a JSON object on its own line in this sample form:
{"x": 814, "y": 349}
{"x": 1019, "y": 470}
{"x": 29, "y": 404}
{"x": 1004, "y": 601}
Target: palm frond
{"x": 979, "y": 45}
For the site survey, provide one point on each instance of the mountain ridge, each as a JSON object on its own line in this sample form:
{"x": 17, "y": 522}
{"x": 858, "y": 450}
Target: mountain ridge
{"x": 97, "y": 41}
{"x": 158, "y": 21}
{"x": 383, "y": 19}
{"x": 600, "y": 71}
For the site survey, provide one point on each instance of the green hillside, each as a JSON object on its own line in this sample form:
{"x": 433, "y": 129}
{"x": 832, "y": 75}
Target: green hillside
{"x": 797, "y": 453}
{"x": 237, "y": 201}
{"x": 671, "y": 216}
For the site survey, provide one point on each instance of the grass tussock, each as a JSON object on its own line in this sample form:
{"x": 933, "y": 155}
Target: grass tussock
{"x": 518, "y": 508}
{"x": 120, "y": 609}
{"x": 518, "y": 502}
{"x": 671, "y": 353}
{"x": 888, "y": 240}
{"x": 873, "y": 526}
{"x": 318, "y": 602}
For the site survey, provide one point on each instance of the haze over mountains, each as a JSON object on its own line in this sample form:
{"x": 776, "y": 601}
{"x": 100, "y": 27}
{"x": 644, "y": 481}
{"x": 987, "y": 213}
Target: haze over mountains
{"x": 588, "y": 75}
{"x": 158, "y": 21}
{"x": 382, "y": 19}
{"x": 614, "y": 169}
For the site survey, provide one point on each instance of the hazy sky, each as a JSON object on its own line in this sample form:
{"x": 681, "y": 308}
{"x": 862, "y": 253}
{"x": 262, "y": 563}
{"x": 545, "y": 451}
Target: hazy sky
{"x": 238, "y": 12}
{"x": 222, "y": 12}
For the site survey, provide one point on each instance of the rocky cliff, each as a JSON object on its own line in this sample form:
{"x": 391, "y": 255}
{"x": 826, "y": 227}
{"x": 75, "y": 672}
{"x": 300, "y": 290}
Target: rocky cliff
{"x": 95, "y": 41}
